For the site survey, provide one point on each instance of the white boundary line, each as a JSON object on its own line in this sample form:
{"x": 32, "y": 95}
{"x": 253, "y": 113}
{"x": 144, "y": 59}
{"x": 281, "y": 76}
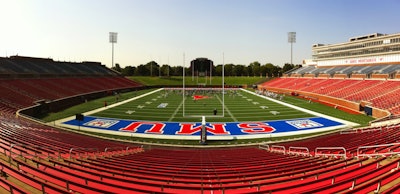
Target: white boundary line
{"x": 227, "y": 110}
{"x": 58, "y": 122}
{"x": 218, "y": 137}
{"x": 176, "y": 111}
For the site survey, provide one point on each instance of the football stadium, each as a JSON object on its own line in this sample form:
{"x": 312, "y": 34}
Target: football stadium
{"x": 199, "y": 97}
{"x": 330, "y": 126}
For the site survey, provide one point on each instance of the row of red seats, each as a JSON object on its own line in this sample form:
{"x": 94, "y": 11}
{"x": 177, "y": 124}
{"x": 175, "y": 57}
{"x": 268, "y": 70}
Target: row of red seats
{"x": 230, "y": 170}
{"x": 21, "y": 93}
{"x": 381, "y": 93}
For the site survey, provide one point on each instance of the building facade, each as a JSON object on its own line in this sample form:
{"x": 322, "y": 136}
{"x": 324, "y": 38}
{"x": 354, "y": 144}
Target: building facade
{"x": 370, "y": 49}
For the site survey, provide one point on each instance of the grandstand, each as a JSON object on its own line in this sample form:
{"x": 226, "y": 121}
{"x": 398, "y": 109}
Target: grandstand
{"x": 37, "y": 158}
{"x": 361, "y": 75}
{"x": 26, "y": 81}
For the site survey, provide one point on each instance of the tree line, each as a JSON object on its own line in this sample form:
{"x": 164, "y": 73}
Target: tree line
{"x": 152, "y": 68}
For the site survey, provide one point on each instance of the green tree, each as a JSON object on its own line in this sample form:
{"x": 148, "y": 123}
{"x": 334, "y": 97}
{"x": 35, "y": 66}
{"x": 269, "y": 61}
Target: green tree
{"x": 152, "y": 67}
{"x": 229, "y": 69}
{"x": 128, "y": 71}
{"x": 165, "y": 70}
{"x": 255, "y": 68}
{"x": 218, "y": 70}
{"x": 239, "y": 70}
{"x": 141, "y": 70}
{"x": 117, "y": 67}
{"x": 287, "y": 67}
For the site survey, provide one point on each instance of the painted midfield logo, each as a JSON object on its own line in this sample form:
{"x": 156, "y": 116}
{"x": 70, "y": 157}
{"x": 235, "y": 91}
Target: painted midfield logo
{"x": 103, "y": 123}
{"x": 303, "y": 124}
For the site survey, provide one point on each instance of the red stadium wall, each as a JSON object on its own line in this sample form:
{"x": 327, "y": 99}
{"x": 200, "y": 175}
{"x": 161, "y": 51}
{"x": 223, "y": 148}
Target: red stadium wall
{"x": 338, "y": 103}
{"x": 359, "y": 76}
{"x": 331, "y": 101}
{"x": 378, "y": 113}
{"x": 309, "y": 75}
{"x": 380, "y": 76}
{"x": 340, "y": 76}
{"x": 324, "y": 75}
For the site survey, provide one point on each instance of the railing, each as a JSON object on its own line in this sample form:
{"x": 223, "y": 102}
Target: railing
{"x": 348, "y": 131}
{"x": 387, "y": 153}
{"x": 263, "y": 146}
{"x": 93, "y": 151}
{"x": 118, "y": 149}
{"x": 317, "y": 153}
{"x": 35, "y": 151}
{"x": 299, "y": 151}
{"x": 369, "y": 129}
{"x": 279, "y": 149}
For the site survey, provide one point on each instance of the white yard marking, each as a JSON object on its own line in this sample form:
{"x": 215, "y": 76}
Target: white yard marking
{"x": 130, "y": 112}
{"x": 176, "y": 111}
{"x": 274, "y": 112}
{"x": 228, "y": 111}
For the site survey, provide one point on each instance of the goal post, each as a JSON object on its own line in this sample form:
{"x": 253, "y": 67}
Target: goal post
{"x": 201, "y": 68}
{"x": 202, "y": 99}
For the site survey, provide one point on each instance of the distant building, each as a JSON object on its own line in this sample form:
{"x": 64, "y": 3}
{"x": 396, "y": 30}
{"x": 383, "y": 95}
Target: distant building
{"x": 372, "y": 49}
{"x": 201, "y": 67}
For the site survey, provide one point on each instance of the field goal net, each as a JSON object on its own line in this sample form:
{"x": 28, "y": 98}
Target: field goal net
{"x": 202, "y": 99}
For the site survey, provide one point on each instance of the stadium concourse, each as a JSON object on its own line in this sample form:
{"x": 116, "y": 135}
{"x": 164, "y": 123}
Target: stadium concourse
{"x": 36, "y": 158}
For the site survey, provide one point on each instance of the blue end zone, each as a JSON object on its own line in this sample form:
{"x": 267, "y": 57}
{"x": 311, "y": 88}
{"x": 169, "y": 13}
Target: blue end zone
{"x": 234, "y": 129}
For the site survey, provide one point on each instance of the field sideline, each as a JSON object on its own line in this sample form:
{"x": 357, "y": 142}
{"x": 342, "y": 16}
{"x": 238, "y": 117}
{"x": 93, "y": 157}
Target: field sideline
{"x": 246, "y": 115}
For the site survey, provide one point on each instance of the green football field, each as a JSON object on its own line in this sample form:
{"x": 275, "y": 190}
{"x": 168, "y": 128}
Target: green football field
{"x": 173, "y": 105}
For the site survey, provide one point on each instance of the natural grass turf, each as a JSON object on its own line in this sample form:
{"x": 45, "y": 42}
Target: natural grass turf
{"x": 360, "y": 119}
{"x": 178, "y": 80}
{"x": 229, "y": 102}
{"x": 239, "y": 106}
{"x": 90, "y": 105}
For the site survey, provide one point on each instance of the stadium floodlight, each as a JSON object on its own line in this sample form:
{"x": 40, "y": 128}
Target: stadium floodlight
{"x": 291, "y": 40}
{"x": 113, "y": 39}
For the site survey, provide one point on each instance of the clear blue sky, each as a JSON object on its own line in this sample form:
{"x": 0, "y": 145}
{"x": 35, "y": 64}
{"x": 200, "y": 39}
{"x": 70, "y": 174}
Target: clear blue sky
{"x": 162, "y": 30}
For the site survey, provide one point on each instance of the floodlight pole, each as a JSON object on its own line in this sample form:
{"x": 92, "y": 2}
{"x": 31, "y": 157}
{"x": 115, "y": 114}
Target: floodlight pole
{"x": 223, "y": 84}
{"x": 183, "y": 86}
{"x": 113, "y": 39}
{"x": 291, "y": 40}
{"x": 168, "y": 66}
{"x": 210, "y": 72}
{"x": 192, "y": 66}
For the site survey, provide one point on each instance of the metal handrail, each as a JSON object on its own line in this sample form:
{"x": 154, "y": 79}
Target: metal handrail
{"x": 264, "y": 146}
{"x": 280, "y": 149}
{"x": 292, "y": 148}
{"x": 31, "y": 146}
{"x": 378, "y": 146}
{"x": 84, "y": 149}
{"x": 330, "y": 148}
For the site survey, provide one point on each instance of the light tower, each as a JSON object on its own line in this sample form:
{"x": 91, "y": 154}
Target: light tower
{"x": 291, "y": 40}
{"x": 113, "y": 39}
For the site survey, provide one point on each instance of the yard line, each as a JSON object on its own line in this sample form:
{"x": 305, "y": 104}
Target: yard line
{"x": 176, "y": 111}
{"x": 227, "y": 110}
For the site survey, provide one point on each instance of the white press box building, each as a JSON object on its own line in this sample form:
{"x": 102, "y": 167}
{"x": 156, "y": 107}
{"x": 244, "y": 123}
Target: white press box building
{"x": 371, "y": 56}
